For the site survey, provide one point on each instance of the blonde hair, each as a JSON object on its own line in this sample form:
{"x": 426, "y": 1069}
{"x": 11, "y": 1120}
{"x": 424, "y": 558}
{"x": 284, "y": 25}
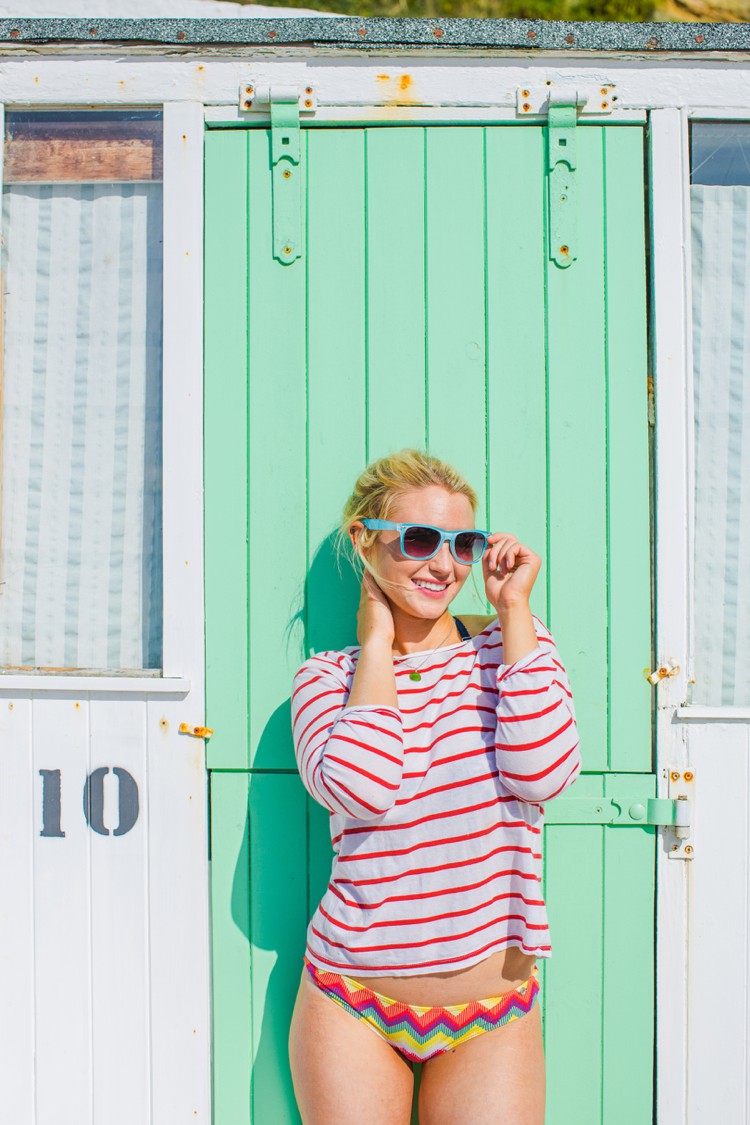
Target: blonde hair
{"x": 381, "y": 484}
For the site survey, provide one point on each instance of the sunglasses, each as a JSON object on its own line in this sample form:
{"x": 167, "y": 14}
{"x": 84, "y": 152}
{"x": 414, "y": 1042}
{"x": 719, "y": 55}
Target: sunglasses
{"x": 422, "y": 541}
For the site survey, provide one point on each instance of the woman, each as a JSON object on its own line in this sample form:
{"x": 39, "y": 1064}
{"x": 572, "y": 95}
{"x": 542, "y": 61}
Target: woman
{"x": 433, "y": 744}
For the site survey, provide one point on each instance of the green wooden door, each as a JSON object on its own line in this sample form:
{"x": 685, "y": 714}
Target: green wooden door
{"x": 425, "y": 310}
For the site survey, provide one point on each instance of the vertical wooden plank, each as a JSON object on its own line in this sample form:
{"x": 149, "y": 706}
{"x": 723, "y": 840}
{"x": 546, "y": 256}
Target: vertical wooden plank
{"x": 516, "y": 363}
{"x": 572, "y": 978}
{"x": 577, "y": 467}
{"x": 19, "y": 791}
{"x": 395, "y": 290}
{"x": 335, "y": 371}
{"x": 278, "y": 923}
{"x": 628, "y": 955}
{"x": 62, "y": 889}
{"x": 231, "y": 983}
{"x": 717, "y": 1057}
{"x": 628, "y": 529}
{"x": 276, "y": 428}
{"x": 455, "y": 320}
{"x": 225, "y": 428}
{"x": 120, "y": 919}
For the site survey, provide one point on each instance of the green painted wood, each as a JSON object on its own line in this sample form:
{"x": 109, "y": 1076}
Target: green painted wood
{"x": 395, "y": 278}
{"x": 425, "y": 308}
{"x": 597, "y": 987}
{"x": 630, "y": 646}
{"x": 576, "y": 465}
{"x": 225, "y": 439}
{"x": 231, "y": 976}
{"x": 516, "y": 357}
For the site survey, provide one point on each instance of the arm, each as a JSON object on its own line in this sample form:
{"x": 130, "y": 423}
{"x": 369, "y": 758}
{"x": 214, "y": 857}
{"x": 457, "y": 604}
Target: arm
{"x": 536, "y": 742}
{"x": 350, "y": 756}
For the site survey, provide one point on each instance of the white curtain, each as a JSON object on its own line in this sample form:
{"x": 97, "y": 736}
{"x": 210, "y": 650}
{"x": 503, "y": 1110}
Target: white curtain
{"x": 721, "y": 342}
{"x": 80, "y": 555}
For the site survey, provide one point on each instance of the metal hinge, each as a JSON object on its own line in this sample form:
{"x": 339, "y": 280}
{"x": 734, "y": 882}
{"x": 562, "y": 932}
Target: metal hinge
{"x": 674, "y": 812}
{"x": 561, "y": 178}
{"x": 286, "y": 103}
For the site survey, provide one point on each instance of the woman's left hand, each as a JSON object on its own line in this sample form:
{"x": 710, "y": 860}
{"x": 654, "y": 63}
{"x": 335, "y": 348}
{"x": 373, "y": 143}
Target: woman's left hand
{"x": 510, "y": 570}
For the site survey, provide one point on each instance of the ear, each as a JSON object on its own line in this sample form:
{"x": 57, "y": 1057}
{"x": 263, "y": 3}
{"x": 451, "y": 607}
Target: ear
{"x": 355, "y": 530}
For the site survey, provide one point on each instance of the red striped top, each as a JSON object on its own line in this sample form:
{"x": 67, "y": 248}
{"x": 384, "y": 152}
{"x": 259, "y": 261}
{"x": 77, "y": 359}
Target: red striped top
{"x": 436, "y": 808}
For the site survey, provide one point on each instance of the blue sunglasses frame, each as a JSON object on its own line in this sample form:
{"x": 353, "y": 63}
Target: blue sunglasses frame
{"x": 389, "y": 525}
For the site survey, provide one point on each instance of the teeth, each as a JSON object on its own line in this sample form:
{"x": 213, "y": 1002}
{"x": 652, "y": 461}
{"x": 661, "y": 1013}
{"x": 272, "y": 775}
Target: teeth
{"x": 430, "y": 585}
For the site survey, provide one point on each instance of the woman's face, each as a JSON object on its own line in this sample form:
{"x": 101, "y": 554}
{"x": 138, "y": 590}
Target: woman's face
{"x": 425, "y": 588}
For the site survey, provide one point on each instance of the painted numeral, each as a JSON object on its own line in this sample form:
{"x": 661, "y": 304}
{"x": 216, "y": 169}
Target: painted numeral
{"x": 93, "y": 802}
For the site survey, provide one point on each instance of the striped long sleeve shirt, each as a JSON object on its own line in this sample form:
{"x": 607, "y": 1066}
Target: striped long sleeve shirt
{"x": 436, "y": 808}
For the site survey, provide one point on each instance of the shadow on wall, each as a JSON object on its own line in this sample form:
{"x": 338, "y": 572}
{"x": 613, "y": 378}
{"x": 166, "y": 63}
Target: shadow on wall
{"x": 285, "y": 859}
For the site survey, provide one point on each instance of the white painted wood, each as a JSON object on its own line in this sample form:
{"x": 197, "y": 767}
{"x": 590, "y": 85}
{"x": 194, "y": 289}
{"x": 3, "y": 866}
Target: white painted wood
{"x": 105, "y": 950}
{"x": 121, "y": 931}
{"x": 63, "y": 985}
{"x": 413, "y": 115}
{"x": 668, "y": 219}
{"x": 17, "y": 983}
{"x": 126, "y": 685}
{"x": 713, "y": 714}
{"x": 146, "y": 75}
{"x": 719, "y": 967}
{"x": 178, "y": 870}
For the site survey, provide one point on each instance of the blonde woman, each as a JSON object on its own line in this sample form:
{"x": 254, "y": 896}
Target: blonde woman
{"x": 434, "y": 744}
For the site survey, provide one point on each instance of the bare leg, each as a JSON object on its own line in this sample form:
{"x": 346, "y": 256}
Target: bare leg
{"x": 497, "y": 1078}
{"x": 344, "y": 1073}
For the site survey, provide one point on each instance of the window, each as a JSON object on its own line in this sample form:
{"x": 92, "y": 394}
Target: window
{"x": 720, "y": 216}
{"x": 80, "y": 546}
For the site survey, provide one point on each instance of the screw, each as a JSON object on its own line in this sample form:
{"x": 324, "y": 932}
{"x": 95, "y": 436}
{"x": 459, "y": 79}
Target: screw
{"x": 524, "y": 93}
{"x": 308, "y": 103}
{"x": 287, "y": 250}
{"x": 308, "y": 90}
{"x": 286, "y": 174}
{"x": 674, "y": 775}
{"x": 688, "y": 775}
{"x": 605, "y": 105}
{"x": 93, "y": 31}
{"x": 570, "y": 39}
{"x": 531, "y": 35}
{"x": 699, "y": 39}
{"x": 675, "y": 847}
{"x": 688, "y": 849}
{"x": 564, "y": 249}
{"x": 272, "y": 35}
{"x": 180, "y": 34}
{"x": 603, "y": 90}
{"x": 438, "y": 31}
{"x": 15, "y": 33}
{"x": 248, "y": 105}
{"x": 526, "y": 107}
{"x": 249, "y": 89}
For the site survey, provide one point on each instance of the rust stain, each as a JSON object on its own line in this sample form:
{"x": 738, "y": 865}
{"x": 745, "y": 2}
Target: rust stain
{"x": 201, "y": 68}
{"x": 36, "y": 79}
{"x": 383, "y": 77}
{"x": 405, "y": 81}
{"x": 397, "y": 89}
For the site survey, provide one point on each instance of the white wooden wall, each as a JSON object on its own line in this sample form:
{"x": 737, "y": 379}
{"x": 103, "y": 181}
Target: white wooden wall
{"x": 104, "y": 945}
{"x": 104, "y": 938}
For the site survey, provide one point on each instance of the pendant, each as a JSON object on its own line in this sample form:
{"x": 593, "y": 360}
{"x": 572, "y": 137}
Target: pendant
{"x": 414, "y": 676}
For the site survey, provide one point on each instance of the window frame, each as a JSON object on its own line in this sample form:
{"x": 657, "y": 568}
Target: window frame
{"x": 182, "y": 431}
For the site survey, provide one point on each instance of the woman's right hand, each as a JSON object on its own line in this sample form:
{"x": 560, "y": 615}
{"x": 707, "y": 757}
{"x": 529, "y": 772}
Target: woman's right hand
{"x": 374, "y": 617}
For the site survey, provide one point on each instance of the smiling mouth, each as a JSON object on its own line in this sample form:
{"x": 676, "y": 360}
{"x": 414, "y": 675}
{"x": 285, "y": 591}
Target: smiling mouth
{"x": 430, "y": 587}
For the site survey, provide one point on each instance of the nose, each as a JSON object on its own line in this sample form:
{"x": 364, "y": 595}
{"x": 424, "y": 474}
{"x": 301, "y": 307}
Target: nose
{"x": 442, "y": 563}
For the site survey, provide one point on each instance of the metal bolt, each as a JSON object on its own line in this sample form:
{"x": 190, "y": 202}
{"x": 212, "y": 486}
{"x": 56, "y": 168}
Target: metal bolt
{"x": 674, "y": 775}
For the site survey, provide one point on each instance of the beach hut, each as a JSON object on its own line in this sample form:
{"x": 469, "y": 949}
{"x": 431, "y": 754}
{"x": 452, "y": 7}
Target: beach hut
{"x": 240, "y": 257}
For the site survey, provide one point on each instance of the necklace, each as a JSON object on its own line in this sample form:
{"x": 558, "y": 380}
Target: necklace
{"x": 415, "y": 675}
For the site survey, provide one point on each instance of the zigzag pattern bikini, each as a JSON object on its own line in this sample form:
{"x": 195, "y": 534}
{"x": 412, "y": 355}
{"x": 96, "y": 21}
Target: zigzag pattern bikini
{"x": 420, "y": 1033}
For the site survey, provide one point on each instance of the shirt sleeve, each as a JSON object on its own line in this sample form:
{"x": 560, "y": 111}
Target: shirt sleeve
{"x": 536, "y": 743}
{"x": 350, "y": 759}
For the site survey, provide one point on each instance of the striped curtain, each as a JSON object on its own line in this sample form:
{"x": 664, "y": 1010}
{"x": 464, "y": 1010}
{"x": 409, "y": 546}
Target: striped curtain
{"x": 80, "y": 555}
{"x": 721, "y": 343}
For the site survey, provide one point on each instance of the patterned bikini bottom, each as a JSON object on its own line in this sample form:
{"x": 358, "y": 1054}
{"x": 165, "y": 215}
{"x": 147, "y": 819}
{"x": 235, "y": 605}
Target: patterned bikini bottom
{"x": 420, "y": 1033}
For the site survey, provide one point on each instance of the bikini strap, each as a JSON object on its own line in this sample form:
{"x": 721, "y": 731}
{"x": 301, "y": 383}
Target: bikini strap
{"x": 465, "y": 634}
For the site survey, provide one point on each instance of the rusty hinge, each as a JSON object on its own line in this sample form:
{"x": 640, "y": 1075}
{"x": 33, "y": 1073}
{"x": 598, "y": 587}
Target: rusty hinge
{"x": 197, "y": 732}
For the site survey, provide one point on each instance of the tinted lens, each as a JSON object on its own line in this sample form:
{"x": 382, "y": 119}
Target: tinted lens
{"x": 469, "y": 546}
{"x": 420, "y": 542}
